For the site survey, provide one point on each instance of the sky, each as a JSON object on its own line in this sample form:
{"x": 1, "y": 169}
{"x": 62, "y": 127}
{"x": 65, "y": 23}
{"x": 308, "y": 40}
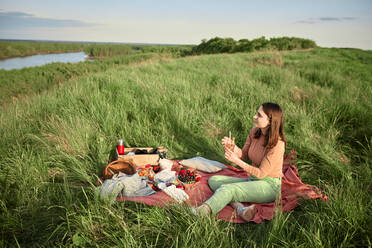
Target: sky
{"x": 330, "y": 23}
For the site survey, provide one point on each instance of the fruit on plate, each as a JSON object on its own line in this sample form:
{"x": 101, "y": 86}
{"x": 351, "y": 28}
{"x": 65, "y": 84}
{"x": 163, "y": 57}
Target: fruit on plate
{"x": 156, "y": 168}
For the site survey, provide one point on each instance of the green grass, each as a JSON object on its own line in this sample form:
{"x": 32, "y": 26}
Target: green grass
{"x": 9, "y": 49}
{"x": 15, "y": 84}
{"x": 54, "y": 146}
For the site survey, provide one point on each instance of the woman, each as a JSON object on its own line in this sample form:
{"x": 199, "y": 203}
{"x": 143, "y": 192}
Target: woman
{"x": 265, "y": 146}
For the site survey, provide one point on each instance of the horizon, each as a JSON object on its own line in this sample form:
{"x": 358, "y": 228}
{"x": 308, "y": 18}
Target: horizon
{"x": 134, "y": 43}
{"x": 344, "y": 24}
{"x": 100, "y": 42}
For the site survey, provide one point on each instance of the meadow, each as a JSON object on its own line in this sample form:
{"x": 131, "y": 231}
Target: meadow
{"x": 15, "y": 84}
{"x": 10, "y": 49}
{"x": 56, "y": 141}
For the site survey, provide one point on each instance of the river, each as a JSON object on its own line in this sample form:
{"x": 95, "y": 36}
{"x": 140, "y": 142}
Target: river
{"x": 42, "y": 59}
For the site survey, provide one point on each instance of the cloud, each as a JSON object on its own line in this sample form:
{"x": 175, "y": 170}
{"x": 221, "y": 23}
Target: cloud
{"x": 349, "y": 18}
{"x": 326, "y": 19}
{"x": 308, "y": 21}
{"x": 11, "y": 20}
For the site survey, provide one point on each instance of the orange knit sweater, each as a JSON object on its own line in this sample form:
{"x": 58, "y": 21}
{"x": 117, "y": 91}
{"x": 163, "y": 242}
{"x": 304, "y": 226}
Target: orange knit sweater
{"x": 264, "y": 162}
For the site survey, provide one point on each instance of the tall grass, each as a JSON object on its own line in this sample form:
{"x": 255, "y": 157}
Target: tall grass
{"x": 55, "y": 145}
{"x": 15, "y": 84}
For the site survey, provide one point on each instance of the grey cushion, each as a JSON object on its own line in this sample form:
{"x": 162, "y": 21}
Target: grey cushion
{"x": 203, "y": 164}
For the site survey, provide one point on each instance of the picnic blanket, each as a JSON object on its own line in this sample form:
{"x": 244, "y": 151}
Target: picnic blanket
{"x": 292, "y": 191}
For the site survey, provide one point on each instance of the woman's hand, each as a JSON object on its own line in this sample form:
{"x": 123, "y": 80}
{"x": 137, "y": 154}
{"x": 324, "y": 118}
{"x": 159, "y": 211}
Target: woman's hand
{"x": 228, "y": 144}
{"x": 232, "y": 157}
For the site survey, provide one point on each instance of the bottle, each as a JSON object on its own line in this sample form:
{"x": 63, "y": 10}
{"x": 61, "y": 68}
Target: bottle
{"x": 120, "y": 147}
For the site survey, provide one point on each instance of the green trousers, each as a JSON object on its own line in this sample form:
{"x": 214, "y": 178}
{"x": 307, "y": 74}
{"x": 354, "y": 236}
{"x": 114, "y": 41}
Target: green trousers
{"x": 232, "y": 189}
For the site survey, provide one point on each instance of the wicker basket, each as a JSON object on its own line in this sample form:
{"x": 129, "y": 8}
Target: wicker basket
{"x": 140, "y": 160}
{"x": 127, "y": 167}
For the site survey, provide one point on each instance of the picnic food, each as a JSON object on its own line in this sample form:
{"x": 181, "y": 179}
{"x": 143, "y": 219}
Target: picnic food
{"x": 142, "y": 172}
{"x": 197, "y": 178}
{"x": 156, "y": 168}
{"x": 155, "y": 186}
{"x": 188, "y": 175}
{"x": 147, "y": 172}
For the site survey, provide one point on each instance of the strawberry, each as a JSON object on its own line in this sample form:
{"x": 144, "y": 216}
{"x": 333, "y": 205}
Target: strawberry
{"x": 180, "y": 186}
{"x": 197, "y": 178}
{"x": 156, "y": 168}
{"x": 154, "y": 186}
{"x": 182, "y": 178}
{"x": 182, "y": 172}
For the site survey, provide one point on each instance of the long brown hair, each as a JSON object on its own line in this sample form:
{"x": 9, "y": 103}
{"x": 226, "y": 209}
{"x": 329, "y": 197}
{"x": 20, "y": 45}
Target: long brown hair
{"x": 276, "y": 125}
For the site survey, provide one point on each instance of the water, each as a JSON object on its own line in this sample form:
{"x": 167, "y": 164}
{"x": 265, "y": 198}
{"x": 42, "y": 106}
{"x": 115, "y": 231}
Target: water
{"x": 38, "y": 60}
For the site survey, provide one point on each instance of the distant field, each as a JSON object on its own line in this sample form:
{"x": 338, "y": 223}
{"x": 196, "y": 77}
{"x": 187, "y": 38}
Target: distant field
{"x": 9, "y": 49}
{"x": 15, "y": 84}
{"x": 55, "y": 140}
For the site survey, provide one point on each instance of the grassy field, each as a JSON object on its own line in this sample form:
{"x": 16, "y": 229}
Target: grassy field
{"x": 15, "y": 84}
{"x": 55, "y": 144}
{"x": 9, "y": 49}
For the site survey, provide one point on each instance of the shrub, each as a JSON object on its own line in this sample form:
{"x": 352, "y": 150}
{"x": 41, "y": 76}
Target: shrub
{"x": 229, "y": 45}
{"x": 215, "y": 45}
{"x": 244, "y": 45}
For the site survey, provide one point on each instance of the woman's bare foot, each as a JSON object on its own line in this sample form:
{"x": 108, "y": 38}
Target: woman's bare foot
{"x": 203, "y": 209}
{"x": 237, "y": 206}
{"x": 247, "y": 213}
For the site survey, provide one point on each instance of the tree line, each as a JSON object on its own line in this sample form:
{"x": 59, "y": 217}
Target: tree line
{"x": 229, "y": 45}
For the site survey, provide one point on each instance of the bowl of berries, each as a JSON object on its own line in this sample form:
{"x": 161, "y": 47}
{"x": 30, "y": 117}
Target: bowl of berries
{"x": 189, "y": 176}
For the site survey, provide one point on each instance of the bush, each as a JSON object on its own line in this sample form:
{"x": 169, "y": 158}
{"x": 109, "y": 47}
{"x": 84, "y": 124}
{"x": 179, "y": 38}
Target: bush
{"x": 244, "y": 45}
{"x": 259, "y": 43}
{"x": 229, "y": 45}
{"x": 290, "y": 43}
{"x": 215, "y": 45}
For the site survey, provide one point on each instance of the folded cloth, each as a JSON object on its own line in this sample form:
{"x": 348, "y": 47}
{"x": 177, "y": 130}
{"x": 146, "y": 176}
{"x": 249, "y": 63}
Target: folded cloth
{"x": 203, "y": 164}
{"x": 126, "y": 185}
{"x": 177, "y": 194}
{"x": 133, "y": 185}
{"x": 165, "y": 176}
{"x": 111, "y": 188}
{"x": 165, "y": 164}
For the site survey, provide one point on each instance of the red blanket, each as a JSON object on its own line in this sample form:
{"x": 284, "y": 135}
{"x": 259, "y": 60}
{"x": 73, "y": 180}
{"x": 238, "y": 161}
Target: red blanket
{"x": 292, "y": 190}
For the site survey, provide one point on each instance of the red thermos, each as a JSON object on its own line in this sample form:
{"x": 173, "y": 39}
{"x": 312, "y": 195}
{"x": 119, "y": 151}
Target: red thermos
{"x": 120, "y": 147}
